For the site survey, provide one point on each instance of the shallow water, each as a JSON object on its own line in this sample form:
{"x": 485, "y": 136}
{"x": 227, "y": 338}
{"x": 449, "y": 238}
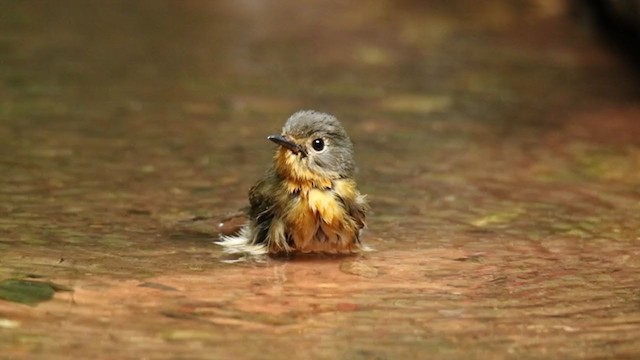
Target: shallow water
{"x": 499, "y": 145}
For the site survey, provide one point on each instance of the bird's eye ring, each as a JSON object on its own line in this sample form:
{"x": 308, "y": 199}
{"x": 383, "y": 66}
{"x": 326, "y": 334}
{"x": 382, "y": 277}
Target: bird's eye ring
{"x": 317, "y": 144}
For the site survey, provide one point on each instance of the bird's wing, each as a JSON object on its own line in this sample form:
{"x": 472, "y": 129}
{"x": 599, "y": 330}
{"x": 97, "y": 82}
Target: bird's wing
{"x": 262, "y": 205}
{"x": 261, "y": 195}
{"x": 354, "y": 203}
{"x": 358, "y": 210}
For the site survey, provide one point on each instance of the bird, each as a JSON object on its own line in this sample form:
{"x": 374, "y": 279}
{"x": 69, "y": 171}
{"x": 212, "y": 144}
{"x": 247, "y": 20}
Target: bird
{"x": 308, "y": 200}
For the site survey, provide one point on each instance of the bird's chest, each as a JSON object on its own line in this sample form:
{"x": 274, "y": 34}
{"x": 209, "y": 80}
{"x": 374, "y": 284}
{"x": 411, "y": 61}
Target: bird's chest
{"x": 316, "y": 205}
{"x": 316, "y": 220}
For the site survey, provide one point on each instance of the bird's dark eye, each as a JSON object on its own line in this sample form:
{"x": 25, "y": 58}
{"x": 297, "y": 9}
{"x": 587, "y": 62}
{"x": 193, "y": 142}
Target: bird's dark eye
{"x": 318, "y": 144}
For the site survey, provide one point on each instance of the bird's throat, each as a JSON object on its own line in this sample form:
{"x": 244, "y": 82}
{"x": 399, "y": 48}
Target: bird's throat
{"x": 296, "y": 175}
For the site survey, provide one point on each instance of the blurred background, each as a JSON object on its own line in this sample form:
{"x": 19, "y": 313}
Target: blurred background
{"x": 498, "y": 141}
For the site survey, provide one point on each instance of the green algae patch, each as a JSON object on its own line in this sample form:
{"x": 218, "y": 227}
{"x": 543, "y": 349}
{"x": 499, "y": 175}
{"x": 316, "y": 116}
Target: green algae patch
{"x": 28, "y": 292}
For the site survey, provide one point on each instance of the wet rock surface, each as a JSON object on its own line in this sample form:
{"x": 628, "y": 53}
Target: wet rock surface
{"x": 499, "y": 144}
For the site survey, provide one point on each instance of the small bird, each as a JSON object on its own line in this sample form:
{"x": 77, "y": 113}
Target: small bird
{"x": 308, "y": 200}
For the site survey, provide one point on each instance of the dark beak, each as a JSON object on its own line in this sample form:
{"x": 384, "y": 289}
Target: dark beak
{"x": 287, "y": 143}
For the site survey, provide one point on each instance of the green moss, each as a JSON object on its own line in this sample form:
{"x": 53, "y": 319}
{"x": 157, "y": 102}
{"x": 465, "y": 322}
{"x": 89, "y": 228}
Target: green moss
{"x": 26, "y": 292}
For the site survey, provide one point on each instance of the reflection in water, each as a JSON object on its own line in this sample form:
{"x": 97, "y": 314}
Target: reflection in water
{"x": 499, "y": 145}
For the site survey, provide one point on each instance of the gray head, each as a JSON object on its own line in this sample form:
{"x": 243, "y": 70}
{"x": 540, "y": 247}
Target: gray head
{"x": 319, "y": 144}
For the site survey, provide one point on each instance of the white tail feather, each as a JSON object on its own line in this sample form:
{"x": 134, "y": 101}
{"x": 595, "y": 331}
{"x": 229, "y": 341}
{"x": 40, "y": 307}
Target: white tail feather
{"x": 241, "y": 243}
